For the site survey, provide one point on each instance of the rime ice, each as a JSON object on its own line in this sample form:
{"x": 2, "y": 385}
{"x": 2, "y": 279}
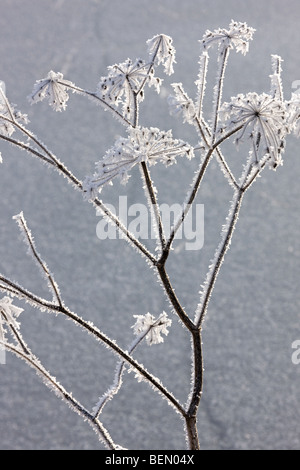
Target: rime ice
{"x": 237, "y": 36}
{"x": 53, "y": 88}
{"x": 154, "y": 327}
{"x": 143, "y": 145}
{"x": 8, "y": 315}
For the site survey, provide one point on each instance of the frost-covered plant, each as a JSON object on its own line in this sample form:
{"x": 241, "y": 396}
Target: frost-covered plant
{"x": 261, "y": 121}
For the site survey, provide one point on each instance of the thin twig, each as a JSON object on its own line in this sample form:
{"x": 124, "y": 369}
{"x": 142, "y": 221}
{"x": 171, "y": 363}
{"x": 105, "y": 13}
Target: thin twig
{"x": 24, "y": 294}
{"x": 52, "y": 383}
{"x": 52, "y": 284}
{"x": 94, "y": 95}
{"x": 113, "y": 390}
{"x": 219, "y": 92}
{"x": 26, "y": 147}
{"x": 153, "y": 203}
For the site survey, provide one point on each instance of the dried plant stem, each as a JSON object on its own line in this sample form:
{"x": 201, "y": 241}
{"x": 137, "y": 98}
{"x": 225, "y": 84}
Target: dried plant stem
{"x": 61, "y": 167}
{"x": 94, "y": 96}
{"x": 52, "y": 383}
{"x": 219, "y": 91}
{"x": 213, "y": 273}
{"x": 153, "y": 203}
{"x": 90, "y": 328}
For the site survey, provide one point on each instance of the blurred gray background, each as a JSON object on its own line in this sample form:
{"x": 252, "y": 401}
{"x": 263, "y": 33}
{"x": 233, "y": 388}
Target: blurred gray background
{"x": 251, "y": 387}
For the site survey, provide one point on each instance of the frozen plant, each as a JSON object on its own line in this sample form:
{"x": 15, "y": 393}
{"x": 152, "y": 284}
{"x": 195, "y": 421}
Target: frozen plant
{"x": 261, "y": 121}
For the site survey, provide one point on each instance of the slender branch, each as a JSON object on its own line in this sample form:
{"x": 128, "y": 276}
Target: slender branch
{"x": 26, "y": 147}
{"x": 111, "y": 344}
{"x": 257, "y": 168}
{"x": 201, "y": 82}
{"x": 149, "y": 185}
{"x": 94, "y": 95}
{"x": 52, "y": 284}
{"x": 197, "y": 381}
{"x": 153, "y": 202}
{"x": 219, "y": 91}
{"x": 99, "y": 204}
{"x": 190, "y": 201}
{"x": 192, "y": 432}
{"x": 216, "y": 265}
{"x": 197, "y": 373}
{"x": 196, "y": 186}
{"x": 114, "y": 389}
{"x": 23, "y": 294}
{"x": 15, "y": 333}
{"x": 77, "y": 183}
{"x": 52, "y": 383}
{"x": 10, "y": 112}
{"x": 173, "y": 298}
{"x": 151, "y": 64}
{"x": 7, "y": 285}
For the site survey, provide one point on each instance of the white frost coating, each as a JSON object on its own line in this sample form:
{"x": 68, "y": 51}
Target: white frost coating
{"x": 265, "y": 121}
{"x": 125, "y": 81}
{"x": 276, "y": 83}
{"x": 143, "y": 144}
{"x": 9, "y": 115}
{"x": 162, "y": 49}
{"x": 28, "y": 239}
{"x": 201, "y": 82}
{"x": 145, "y": 327}
{"x": 181, "y": 103}
{"x": 154, "y": 327}
{"x": 237, "y": 36}
{"x": 53, "y": 88}
{"x": 8, "y": 315}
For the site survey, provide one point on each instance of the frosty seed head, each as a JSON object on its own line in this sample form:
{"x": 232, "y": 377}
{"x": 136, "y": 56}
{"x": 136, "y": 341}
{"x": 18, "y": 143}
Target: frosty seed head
{"x": 263, "y": 118}
{"x": 153, "y": 328}
{"x": 142, "y": 145}
{"x": 54, "y": 88}
{"x": 161, "y": 47}
{"x": 124, "y": 80}
{"x": 236, "y": 37}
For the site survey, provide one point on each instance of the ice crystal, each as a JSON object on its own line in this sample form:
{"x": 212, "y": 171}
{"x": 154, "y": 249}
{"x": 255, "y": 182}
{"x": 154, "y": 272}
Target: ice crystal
{"x": 9, "y": 115}
{"x": 181, "y": 103}
{"x": 237, "y": 36}
{"x": 161, "y": 48}
{"x": 8, "y": 315}
{"x": 54, "y": 88}
{"x": 265, "y": 118}
{"x": 276, "y": 84}
{"x": 155, "y": 327}
{"x": 142, "y": 145}
{"x": 126, "y": 80}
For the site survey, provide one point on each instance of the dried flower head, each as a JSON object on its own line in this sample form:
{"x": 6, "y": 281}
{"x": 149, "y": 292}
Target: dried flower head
{"x": 237, "y": 36}
{"x": 162, "y": 48}
{"x": 143, "y": 144}
{"x": 153, "y": 328}
{"x": 264, "y": 118}
{"x": 54, "y": 88}
{"x": 125, "y": 79}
